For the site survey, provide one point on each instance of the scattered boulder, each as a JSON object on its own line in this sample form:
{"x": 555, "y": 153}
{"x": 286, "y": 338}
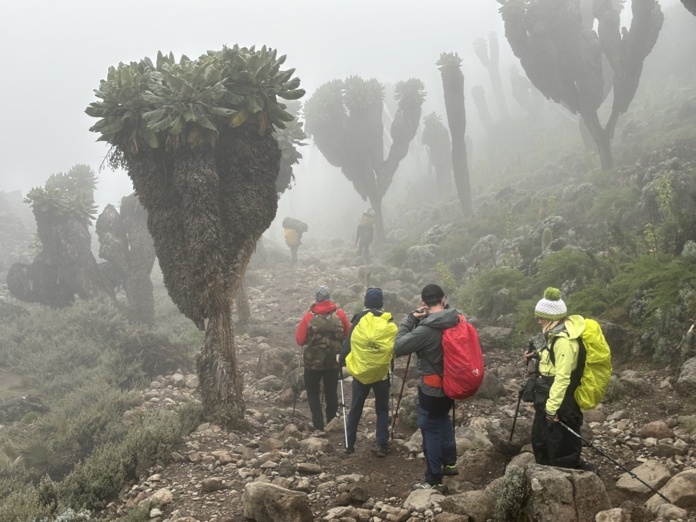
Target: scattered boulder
{"x": 686, "y": 383}
{"x": 680, "y": 490}
{"x": 264, "y": 502}
{"x": 653, "y": 473}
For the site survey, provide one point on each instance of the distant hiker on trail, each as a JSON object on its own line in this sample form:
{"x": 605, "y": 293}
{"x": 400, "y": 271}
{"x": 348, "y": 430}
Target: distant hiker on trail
{"x": 421, "y": 332}
{"x": 293, "y": 230}
{"x": 555, "y": 385}
{"x": 365, "y": 233}
{"x": 367, "y": 354}
{"x": 320, "y": 333}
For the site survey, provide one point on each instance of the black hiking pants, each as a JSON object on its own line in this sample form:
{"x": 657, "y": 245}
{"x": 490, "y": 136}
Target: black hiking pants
{"x": 553, "y": 444}
{"x": 313, "y": 379}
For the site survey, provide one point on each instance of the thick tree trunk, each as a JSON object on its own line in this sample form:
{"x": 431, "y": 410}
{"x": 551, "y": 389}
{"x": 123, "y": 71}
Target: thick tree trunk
{"x": 241, "y": 303}
{"x": 461, "y": 176}
{"x": 220, "y": 381}
{"x": 453, "y": 86}
{"x": 601, "y": 138}
{"x": 376, "y": 203}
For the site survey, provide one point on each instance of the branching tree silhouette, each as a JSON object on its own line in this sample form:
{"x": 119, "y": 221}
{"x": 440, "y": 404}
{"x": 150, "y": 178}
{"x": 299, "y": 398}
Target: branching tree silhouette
{"x": 345, "y": 120}
{"x": 488, "y": 53}
{"x": 450, "y": 66}
{"x": 563, "y": 56}
{"x": 197, "y": 139}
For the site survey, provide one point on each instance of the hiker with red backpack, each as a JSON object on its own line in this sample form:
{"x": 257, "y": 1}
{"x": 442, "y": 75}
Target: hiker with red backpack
{"x": 561, "y": 361}
{"x": 321, "y": 333}
{"x": 367, "y": 355}
{"x": 421, "y": 332}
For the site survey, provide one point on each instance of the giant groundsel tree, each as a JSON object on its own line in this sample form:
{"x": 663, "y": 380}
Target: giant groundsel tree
{"x": 197, "y": 139}
{"x": 450, "y": 66}
{"x": 564, "y": 57}
{"x": 345, "y": 120}
{"x": 126, "y": 244}
{"x": 64, "y": 265}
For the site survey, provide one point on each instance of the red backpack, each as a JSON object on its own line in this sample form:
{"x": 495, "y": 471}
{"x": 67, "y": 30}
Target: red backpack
{"x": 462, "y": 360}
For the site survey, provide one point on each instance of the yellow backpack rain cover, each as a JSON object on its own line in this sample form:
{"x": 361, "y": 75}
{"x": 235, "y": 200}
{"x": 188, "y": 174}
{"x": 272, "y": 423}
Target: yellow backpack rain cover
{"x": 371, "y": 348}
{"x": 597, "y": 370}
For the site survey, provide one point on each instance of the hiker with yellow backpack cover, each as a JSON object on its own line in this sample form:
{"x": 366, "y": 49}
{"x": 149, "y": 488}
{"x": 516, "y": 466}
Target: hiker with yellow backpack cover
{"x": 367, "y": 354}
{"x": 573, "y": 372}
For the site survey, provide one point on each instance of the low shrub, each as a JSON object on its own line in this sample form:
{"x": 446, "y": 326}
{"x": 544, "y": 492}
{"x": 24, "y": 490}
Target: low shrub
{"x": 99, "y": 478}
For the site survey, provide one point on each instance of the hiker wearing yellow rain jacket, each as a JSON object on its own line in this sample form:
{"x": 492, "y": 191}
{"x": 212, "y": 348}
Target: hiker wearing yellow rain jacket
{"x": 560, "y": 369}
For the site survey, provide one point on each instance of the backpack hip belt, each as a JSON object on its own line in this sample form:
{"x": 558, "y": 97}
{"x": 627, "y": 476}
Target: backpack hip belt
{"x": 434, "y": 381}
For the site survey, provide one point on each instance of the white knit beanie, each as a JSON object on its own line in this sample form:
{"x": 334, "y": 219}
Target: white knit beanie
{"x": 551, "y": 306}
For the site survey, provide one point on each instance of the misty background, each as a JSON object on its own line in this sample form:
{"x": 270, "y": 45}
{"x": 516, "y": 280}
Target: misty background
{"x": 54, "y": 55}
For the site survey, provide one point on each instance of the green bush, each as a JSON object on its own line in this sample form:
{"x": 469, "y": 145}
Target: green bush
{"x": 61, "y": 348}
{"x": 656, "y": 278}
{"x": 569, "y": 264}
{"x": 397, "y": 253}
{"x": 479, "y": 295}
{"x": 20, "y": 504}
{"x": 99, "y": 479}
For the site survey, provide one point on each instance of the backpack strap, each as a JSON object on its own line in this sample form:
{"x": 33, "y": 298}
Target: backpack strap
{"x": 421, "y": 353}
{"x": 576, "y": 375}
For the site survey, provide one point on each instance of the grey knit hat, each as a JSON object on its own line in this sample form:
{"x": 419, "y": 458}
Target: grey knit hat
{"x": 551, "y": 306}
{"x": 323, "y": 293}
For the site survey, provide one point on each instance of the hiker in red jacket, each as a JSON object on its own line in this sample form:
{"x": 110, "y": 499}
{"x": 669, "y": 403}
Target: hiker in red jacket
{"x": 320, "y": 333}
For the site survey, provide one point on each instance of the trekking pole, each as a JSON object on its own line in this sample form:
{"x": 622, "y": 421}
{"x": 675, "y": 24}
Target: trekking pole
{"x": 633, "y": 475}
{"x": 514, "y": 419}
{"x": 530, "y": 348}
{"x": 343, "y": 404}
{"x": 398, "y": 401}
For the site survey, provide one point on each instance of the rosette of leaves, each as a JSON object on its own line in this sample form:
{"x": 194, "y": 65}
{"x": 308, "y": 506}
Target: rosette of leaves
{"x": 326, "y": 120}
{"x": 65, "y": 196}
{"x": 198, "y": 139}
{"x": 409, "y": 95}
{"x": 289, "y": 139}
{"x": 169, "y": 103}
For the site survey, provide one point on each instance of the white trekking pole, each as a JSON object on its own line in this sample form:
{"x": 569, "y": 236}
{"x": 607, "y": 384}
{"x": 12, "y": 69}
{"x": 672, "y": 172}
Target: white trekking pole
{"x": 343, "y": 404}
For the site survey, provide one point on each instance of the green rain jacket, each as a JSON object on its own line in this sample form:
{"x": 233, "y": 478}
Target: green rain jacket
{"x": 565, "y": 349}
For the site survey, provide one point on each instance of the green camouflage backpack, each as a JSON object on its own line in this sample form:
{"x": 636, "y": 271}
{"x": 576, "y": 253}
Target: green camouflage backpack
{"x": 324, "y": 338}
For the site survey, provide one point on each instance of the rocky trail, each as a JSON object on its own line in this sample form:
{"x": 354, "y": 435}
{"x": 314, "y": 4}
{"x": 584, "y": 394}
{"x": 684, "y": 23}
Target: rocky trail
{"x": 280, "y": 470}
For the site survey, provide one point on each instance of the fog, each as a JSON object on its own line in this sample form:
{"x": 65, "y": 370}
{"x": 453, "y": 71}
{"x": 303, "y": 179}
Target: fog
{"x": 55, "y": 53}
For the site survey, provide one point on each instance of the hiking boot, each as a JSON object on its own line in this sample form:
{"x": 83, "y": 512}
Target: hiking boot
{"x": 440, "y": 488}
{"x": 350, "y": 450}
{"x": 450, "y": 471}
{"x": 381, "y": 451}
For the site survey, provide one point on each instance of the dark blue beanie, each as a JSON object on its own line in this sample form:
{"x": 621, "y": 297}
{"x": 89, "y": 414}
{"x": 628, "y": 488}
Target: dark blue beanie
{"x": 374, "y": 298}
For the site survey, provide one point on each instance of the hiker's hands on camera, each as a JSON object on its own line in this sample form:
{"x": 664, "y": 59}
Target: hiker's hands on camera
{"x": 421, "y": 313}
